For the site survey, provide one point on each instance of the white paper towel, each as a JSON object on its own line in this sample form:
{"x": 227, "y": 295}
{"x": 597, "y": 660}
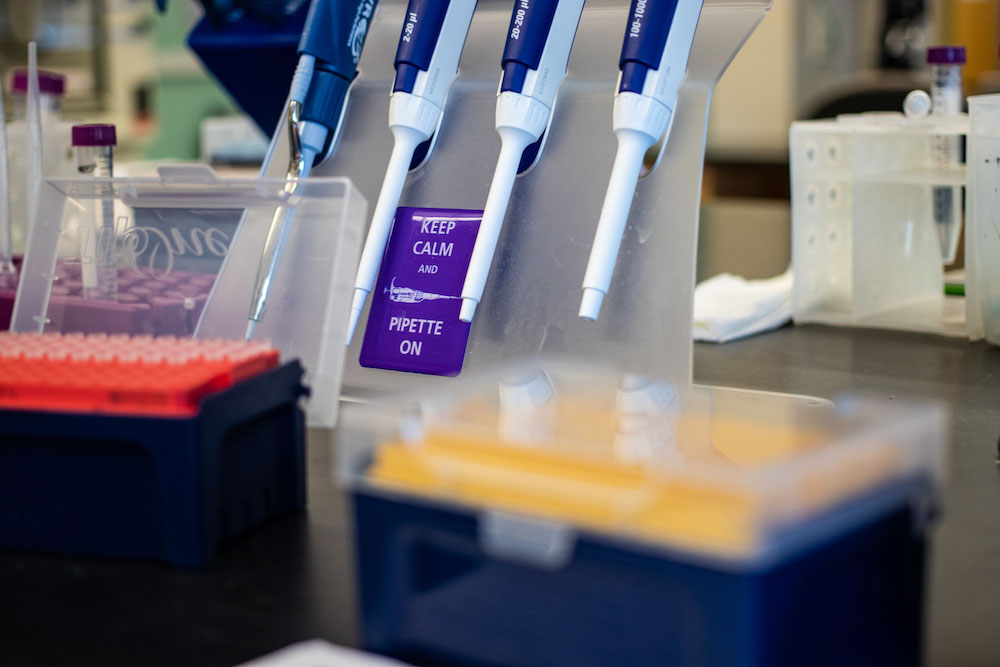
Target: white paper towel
{"x": 727, "y": 307}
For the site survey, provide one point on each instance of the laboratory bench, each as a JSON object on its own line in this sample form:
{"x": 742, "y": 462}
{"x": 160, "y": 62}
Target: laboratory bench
{"x": 292, "y": 578}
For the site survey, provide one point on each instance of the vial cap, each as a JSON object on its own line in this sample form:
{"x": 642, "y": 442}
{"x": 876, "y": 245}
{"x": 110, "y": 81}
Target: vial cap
{"x": 917, "y": 104}
{"x": 946, "y": 55}
{"x": 49, "y": 83}
{"x": 94, "y": 135}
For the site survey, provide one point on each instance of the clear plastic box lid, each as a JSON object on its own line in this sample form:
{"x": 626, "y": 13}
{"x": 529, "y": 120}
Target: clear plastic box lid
{"x": 727, "y": 474}
{"x": 178, "y": 255}
{"x": 982, "y": 234}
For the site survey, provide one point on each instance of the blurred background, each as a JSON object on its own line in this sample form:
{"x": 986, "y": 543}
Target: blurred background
{"x": 816, "y": 59}
{"x": 126, "y": 62}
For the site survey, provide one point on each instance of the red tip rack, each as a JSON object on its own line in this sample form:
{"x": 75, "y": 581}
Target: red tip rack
{"x": 121, "y": 374}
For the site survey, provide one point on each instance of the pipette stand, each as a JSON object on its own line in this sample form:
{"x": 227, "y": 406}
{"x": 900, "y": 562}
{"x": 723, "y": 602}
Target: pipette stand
{"x": 530, "y": 306}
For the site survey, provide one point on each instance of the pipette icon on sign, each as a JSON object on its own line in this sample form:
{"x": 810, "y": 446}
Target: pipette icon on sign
{"x": 410, "y": 295}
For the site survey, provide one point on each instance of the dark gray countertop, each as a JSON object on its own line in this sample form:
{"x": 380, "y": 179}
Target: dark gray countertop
{"x": 291, "y": 579}
{"x": 964, "y": 577}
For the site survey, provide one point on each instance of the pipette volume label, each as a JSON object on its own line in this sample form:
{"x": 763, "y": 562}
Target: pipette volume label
{"x": 413, "y": 324}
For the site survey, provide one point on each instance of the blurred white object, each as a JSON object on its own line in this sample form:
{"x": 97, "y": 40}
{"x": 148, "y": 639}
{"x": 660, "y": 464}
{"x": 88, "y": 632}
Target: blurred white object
{"x": 321, "y": 653}
{"x": 982, "y": 233}
{"x": 814, "y": 53}
{"x": 728, "y": 307}
{"x": 917, "y": 104}
{"x": 232, "y": 140}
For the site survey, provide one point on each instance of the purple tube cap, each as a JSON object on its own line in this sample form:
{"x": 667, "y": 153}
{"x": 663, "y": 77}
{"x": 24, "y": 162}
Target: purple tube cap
{"x": 946, "y": 55}
{"x": 49, "y": 83}
{"x": 94, "y": 135}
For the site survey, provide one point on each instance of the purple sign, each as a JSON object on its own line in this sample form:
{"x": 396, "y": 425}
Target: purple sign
{"x": 413, "y": 323}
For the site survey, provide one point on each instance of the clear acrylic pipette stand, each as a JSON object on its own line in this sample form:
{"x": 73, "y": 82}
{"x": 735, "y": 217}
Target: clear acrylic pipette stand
{"x": 533, "y": 293}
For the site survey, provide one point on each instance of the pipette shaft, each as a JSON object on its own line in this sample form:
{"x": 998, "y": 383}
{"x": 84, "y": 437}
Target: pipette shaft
{"x": 329, "y": 50}
{"x": 299, "y": 164}
{"x": 274, "y": 246}
{"x": 534, "y": 65}
{"x": 514, "y": 143}
{"x": 406, "y": 141}
{"x": 658, "y": 39}
{"x": 611, "y": 226}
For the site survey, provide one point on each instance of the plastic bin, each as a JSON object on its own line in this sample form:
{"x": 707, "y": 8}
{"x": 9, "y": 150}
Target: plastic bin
{"x": 587, "y": 518}
{"x": 982, "y": 237}
{"x": 181, "y": 259}
{"x": 865, "y": 247}
{"x": 162, "y": 488}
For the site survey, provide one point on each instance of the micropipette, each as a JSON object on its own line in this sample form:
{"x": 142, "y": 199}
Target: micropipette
{"x": 334, "y": 34}
{"x": 534, "y": 64}
{"x": 653, "y": 62}
{"x": 430, "y": 46}
{"x": 8, "y": 272}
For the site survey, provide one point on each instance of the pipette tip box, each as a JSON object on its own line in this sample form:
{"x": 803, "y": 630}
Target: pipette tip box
{"x": 151, "y": 448}
{"x": 726, "y": 528}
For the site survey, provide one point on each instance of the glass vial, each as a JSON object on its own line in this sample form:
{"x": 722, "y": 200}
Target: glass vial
{"x": 946, "y": 100}
{"x": 51, "y": 88}
{"x": 94, "y": 147}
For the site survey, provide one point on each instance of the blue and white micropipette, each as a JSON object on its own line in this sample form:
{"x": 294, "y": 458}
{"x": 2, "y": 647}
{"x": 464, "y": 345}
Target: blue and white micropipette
{"x": 534, "y": 64}
{"x": 329, "y": 51}
{"x": 430, "y": 46}
{"x": 653, "y": 62}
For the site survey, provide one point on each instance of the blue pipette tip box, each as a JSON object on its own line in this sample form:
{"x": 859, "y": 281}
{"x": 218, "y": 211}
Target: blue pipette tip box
{"x": 167, "y": 489}
{"x": 431, "y": 594}
{"x": 466, "y": 553}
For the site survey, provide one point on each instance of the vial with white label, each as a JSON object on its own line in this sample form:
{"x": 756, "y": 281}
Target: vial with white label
{"x": 94, "y": 148}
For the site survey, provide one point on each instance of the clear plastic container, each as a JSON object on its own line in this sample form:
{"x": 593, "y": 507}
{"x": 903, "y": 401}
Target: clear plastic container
{"x": 185, "y": 248}
{"x": 865, "y": 243}
{"x": 721, "y": 474}
{"x": 619, "y": 522}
